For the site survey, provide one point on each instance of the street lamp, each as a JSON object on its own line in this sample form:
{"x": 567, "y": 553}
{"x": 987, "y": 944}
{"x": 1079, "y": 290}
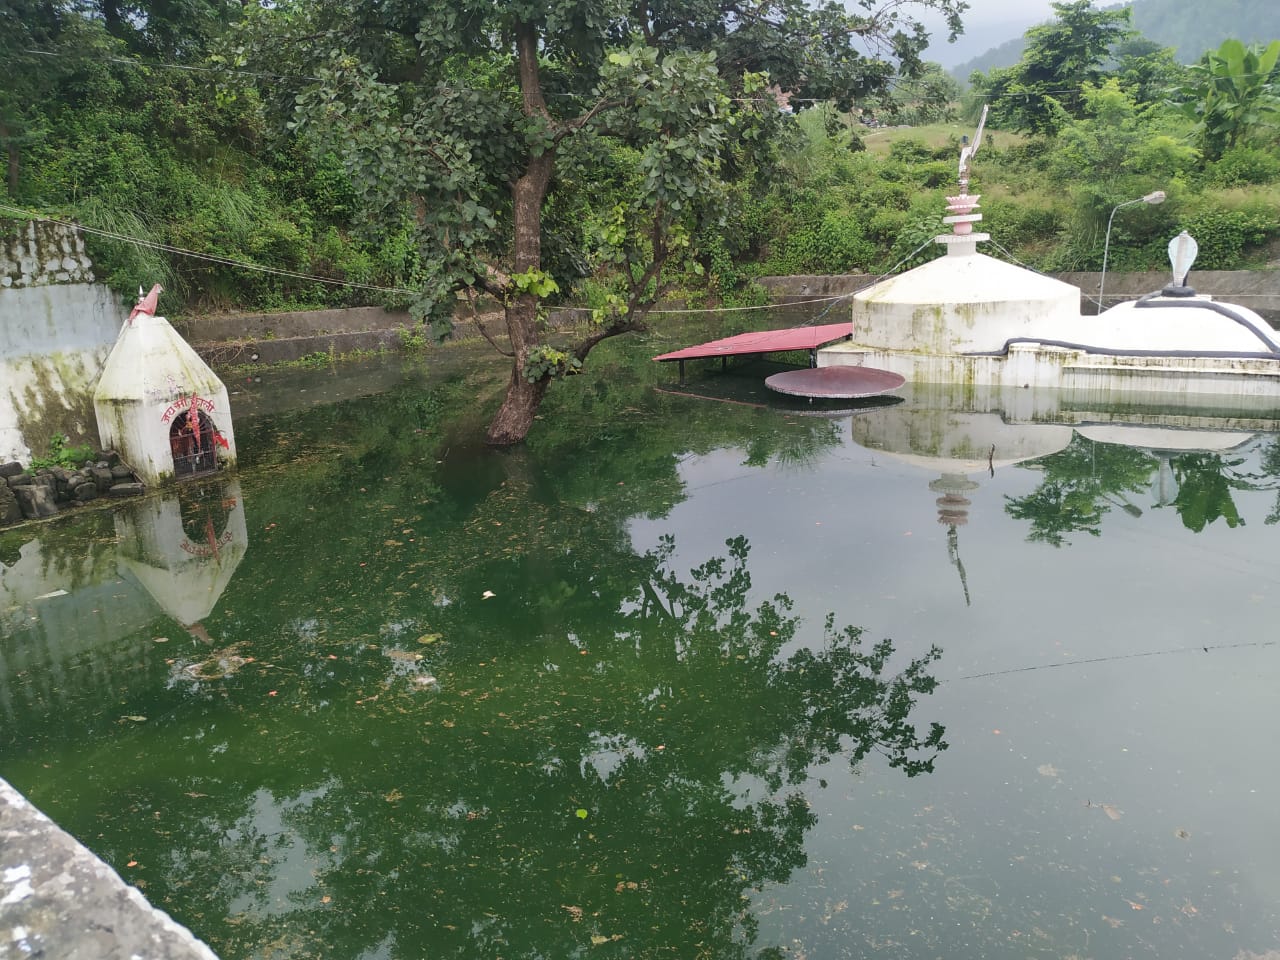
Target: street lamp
{"x": 1156, "y": 197}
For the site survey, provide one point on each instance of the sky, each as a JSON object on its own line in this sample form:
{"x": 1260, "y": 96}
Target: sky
{"x": 987, "y": 24}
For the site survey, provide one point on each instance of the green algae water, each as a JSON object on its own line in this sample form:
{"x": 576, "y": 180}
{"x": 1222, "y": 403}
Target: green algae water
{"x": 691, "y": 674}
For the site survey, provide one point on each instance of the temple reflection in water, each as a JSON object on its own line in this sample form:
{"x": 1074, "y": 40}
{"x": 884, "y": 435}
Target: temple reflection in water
{"x": 79, "y": 613}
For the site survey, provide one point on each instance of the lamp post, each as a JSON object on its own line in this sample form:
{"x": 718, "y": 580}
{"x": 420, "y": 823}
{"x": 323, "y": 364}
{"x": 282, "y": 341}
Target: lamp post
{"x": 1155, "y": 197}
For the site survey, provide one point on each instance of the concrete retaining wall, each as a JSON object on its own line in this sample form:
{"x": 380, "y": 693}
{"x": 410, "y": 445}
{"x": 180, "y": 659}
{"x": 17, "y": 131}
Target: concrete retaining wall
{"x": 56, "y": 328}
{"x": 58, "y": 900}
{"x": 1259, "y": 290}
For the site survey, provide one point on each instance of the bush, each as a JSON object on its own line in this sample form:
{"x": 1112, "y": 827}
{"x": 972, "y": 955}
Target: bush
{"x": 1244, "y": 165}
{"x": 1224, "y": 235}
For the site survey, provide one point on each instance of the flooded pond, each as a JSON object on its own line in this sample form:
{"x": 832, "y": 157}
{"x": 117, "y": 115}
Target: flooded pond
{"x": 693, "y": 674}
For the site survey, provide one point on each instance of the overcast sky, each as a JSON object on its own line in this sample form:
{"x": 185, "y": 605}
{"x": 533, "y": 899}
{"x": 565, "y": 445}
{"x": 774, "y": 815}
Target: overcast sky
{"x": 987, "y": 24}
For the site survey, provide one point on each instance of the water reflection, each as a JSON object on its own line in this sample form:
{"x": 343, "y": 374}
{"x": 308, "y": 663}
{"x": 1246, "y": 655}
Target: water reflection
{"x": 184, "y": 548}
{"x": 627, "y": 776}
{"x": 1092, "y": 462}
{"x": 76, "y": 603}
{"x": 580, "y": 697}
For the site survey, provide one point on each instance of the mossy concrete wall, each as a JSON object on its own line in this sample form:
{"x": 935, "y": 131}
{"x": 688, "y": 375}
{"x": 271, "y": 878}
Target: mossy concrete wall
{"x": 56, "y": 328}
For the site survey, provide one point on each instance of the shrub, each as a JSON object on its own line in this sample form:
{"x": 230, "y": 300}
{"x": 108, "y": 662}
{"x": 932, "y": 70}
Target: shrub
{"x": 1244, "y": 165}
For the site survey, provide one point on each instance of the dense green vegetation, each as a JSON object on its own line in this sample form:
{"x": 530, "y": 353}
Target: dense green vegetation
{"x": 582, "y": 154}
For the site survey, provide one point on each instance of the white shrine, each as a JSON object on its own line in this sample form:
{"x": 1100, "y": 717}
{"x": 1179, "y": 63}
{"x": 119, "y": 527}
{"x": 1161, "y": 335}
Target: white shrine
{"x": 159, "y": 405}
{"x": 970, "y": 319}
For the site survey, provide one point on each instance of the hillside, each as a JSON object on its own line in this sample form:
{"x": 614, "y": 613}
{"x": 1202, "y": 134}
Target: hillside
{"x": 1189, "y": 26}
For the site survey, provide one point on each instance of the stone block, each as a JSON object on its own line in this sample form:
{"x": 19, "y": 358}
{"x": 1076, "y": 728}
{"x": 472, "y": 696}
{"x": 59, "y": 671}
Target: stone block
{"x": 36, "y": 501}
{"x": 102, "y": 478}
{"x": 127, "y": 490}
{"x": 86, "y": 492}
{"x": 20, "y": 480}
{"x": 10, "y": 510}
{"x": 11, "y": 469}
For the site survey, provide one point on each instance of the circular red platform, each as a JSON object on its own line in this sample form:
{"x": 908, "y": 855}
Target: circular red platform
{"x": 835, "y": 383}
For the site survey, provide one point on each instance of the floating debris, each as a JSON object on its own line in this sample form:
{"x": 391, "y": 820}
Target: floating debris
{"x": 218, "y": 665}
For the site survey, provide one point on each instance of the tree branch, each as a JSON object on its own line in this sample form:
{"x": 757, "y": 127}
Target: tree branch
{"x": 618, "y": 327}
{"x": 484, "y": 331}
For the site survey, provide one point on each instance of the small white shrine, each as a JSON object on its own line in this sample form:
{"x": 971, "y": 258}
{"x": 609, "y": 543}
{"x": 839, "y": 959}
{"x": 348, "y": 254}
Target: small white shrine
{"x": 159, "y": 405}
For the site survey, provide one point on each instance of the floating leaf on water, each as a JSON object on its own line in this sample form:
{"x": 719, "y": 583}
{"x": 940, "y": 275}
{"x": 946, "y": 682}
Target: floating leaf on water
{"x": 1048, "y": 770}
{"x": 580, "y": 813}
{"x": 1182, "y": 834}
{"x": 1111, "y": 811}
{"x": 488, "y": 594}
{"x": 159, "y": 639}
{"x": 430, "y": 637}
{"x": 135, "y": 718}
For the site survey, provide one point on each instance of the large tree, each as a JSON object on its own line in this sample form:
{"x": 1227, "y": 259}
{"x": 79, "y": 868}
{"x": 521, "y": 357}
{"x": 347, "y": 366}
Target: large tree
{"x": 1044, "y": 89}
{"x": 492, "y": 128}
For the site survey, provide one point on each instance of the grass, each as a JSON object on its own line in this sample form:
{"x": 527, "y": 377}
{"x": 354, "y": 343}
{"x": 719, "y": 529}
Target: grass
{"x": 934, "y": 135}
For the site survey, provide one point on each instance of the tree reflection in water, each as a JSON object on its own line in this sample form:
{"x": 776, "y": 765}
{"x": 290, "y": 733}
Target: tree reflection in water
{"x": 628, "y": 782}
{"x": 1087, "y": 480}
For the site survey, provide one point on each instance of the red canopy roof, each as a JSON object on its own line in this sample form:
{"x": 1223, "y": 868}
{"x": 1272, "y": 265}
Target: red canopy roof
{"x": 764, "y": 341}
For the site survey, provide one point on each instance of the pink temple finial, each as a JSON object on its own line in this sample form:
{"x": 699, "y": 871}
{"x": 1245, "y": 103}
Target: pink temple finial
{"x": 961, "y": 207}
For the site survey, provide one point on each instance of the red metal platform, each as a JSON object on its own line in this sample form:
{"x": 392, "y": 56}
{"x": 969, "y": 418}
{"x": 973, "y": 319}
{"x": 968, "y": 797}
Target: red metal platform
{"x": 835, "y": 383}
{"x": 764, "y": 341}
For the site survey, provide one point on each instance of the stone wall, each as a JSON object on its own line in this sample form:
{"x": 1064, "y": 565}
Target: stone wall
{"x": 36, "y": 253}
{"x": 1259, "y": 290}
{"x": 34, "y": 495}
{"x": 56, "y": 328}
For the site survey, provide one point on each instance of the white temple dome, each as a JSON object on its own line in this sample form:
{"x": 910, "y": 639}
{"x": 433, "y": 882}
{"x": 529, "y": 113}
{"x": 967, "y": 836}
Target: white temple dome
{"x": 960, "y": 303}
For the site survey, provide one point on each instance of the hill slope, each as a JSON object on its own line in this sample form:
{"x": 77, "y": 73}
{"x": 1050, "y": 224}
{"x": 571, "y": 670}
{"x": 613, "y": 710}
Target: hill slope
{"x": 1189, "y": 26}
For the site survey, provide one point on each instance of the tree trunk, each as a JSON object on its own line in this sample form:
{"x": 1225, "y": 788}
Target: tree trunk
{"x": 515, "y": 416}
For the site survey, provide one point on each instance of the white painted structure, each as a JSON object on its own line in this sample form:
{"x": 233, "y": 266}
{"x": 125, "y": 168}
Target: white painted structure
{"x": 967, "y": 318}
{"x": 160, "y": 406}
{"x": 56, "y": 329}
